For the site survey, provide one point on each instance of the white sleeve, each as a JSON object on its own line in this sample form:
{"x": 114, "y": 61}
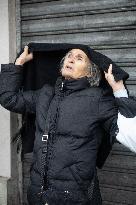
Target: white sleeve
{"x": 121, "y": 93}
{"x": 127, "y": 132}
{"x": 126, "y": 122}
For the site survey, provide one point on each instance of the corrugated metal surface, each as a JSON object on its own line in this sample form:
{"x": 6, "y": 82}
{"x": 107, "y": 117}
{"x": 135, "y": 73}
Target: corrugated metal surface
{"x": 109, "y": 27}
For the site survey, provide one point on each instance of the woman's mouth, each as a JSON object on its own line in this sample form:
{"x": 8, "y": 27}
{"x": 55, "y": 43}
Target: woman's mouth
{"x": 68, "y": 67}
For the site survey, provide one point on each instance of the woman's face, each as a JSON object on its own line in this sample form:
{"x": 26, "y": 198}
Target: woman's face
{"x": 75, "y": 64}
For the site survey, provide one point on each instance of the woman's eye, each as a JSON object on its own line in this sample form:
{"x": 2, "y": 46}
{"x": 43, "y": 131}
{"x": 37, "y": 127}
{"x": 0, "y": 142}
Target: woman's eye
{"x": 68, "y": 55}
{"x": 79, "y": 58}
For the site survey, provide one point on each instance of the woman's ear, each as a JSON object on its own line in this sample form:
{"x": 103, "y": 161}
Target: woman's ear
{"x": 89, "y": 75}
{"x": 89, "y": 70}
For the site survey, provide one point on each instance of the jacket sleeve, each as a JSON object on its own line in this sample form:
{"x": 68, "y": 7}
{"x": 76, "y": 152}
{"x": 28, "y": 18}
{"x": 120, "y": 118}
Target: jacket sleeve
{"x": 118, "y": 117}
{"x": 12, "y": 97}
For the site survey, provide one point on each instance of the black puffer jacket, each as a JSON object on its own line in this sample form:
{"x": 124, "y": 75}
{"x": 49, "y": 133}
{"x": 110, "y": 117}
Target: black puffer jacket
{"x": 77, "y": 115}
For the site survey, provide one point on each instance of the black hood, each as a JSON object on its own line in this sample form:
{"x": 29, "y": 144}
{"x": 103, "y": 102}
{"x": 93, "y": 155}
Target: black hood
{"x": 45, "y": 66}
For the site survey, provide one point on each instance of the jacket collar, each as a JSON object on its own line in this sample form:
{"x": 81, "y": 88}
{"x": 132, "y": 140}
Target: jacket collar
{"x": 68, "y": 86}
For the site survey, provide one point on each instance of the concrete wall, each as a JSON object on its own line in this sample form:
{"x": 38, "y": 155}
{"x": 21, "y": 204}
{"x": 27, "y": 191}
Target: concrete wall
{"x": 5, "y": 167}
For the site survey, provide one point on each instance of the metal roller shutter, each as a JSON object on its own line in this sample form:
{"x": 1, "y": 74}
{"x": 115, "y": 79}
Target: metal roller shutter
{"x": 109, "y": 27}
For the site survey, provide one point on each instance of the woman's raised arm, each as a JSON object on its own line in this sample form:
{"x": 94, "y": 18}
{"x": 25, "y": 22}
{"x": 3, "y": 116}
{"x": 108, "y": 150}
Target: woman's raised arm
{"x": 12, "y": 97}
{"x": 123, "y": 125}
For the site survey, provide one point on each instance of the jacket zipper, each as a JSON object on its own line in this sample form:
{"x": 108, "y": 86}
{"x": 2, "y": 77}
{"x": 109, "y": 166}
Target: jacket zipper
{"x": 55, "y": 125}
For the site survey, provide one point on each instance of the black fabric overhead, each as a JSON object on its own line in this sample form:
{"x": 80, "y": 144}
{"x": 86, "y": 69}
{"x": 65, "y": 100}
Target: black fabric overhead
{"x": 44, "y": 68}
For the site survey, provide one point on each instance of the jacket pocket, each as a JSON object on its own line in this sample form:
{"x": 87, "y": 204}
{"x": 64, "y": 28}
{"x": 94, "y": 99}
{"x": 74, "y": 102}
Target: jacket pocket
{"x": 81, "y": 178}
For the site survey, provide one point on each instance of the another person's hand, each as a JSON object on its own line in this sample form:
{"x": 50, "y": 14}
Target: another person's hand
{"x": 24, "y": 57}
{"x": 110, "y": 78}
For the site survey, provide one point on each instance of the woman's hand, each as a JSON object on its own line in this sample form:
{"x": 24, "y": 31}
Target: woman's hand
{"x": 110, "y": 78}
{"x": 24, "y": 57}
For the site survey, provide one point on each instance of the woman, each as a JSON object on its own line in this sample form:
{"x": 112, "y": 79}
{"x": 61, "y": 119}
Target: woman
{"x": 69, "y": 122}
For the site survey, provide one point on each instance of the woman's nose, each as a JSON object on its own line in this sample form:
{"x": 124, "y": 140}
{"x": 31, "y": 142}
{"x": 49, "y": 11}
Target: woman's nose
{"x": 71, "y": 60}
